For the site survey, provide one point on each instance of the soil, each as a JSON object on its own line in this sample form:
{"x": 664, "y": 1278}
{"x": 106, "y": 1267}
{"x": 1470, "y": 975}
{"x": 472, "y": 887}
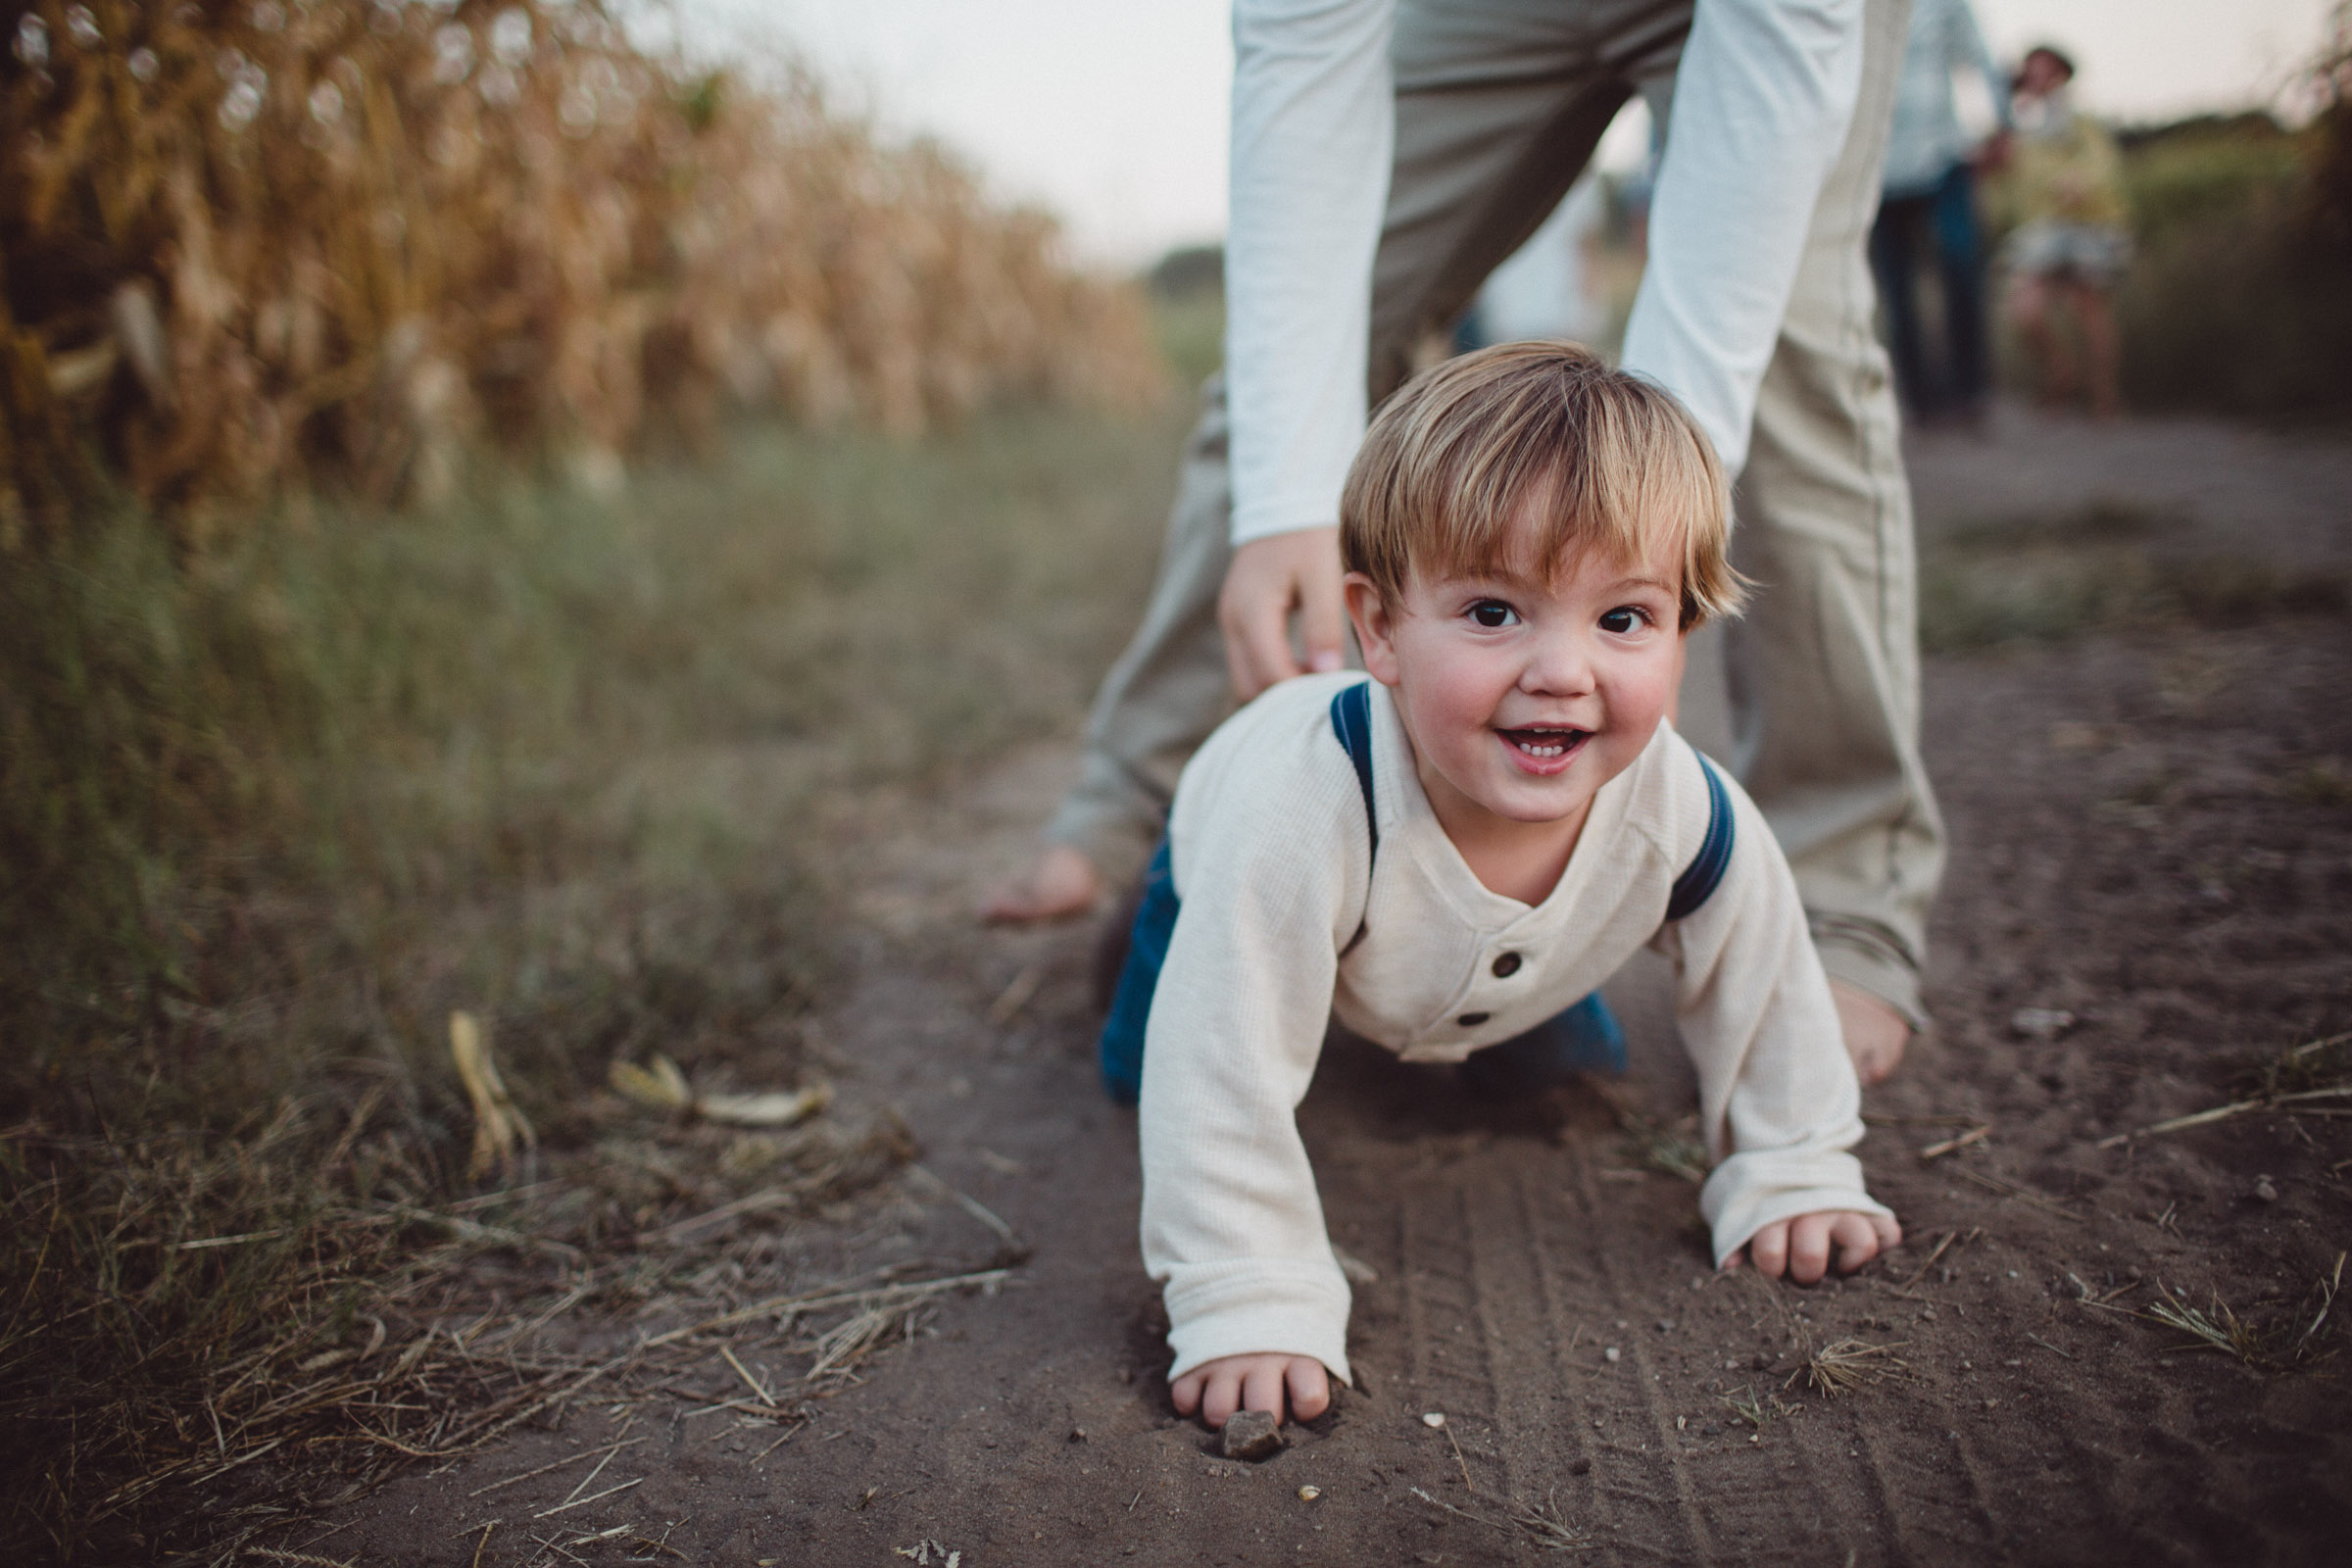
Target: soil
{"x": 2149, "y": 900}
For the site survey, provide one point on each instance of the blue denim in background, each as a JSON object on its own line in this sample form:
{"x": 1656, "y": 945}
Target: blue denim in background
{"x": 1941, "y": 220}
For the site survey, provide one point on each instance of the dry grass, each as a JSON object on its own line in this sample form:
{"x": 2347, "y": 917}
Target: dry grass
{"x": 2215, "y": 1328}
{"x": 255, "y": 245}
{"x": 1549, "y": 1529}
{"x": 2290, "y": 1338}
{"x": 564, "y": 763}
{"x": 1849, "y": 1364}
{"x": 1671, "y": 1147}
{"x": 146, "y": 1366}
{"x": 285, "y": 783}
{"x": 1542, "y": 1524}
{"x": 1757, "y": 1408}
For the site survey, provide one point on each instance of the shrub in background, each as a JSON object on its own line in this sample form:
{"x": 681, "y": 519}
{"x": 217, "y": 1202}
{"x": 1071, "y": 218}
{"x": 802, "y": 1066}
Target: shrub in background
{"x": 2239, "y": 297}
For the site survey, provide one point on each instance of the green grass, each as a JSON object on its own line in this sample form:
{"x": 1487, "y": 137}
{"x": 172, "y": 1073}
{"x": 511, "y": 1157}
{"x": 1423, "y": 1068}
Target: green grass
{"x": 2104, "y": 568}
{"x": 575, "y": 763}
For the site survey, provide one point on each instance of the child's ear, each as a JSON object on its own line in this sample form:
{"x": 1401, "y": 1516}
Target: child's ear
{"x": 1374, "y": 630}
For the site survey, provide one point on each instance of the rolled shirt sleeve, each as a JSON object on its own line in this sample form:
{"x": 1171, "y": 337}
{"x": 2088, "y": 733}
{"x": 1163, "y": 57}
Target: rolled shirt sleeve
{"x": 1762, "y": 102}
{"x": 1313, "y": 124}
{"x": 1778, "y": 1098}
{"x": 1765, "y": 95}
{"x": 1272, "y": 882}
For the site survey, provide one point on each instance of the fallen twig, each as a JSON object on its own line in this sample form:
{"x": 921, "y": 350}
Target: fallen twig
{"x": 1015, "y": 996}
{"x": 1974, "y": 1135}
{"x": 2024, "y": 1195}
{"x": 816, "y": 1304}
{"x": 743, "y": 1373}
{"x": 582, "y": 1502}
{"x": 1941, "y": 1246}
{"x": 2236, "y": 1107}
{"x": 557, "y": 1464}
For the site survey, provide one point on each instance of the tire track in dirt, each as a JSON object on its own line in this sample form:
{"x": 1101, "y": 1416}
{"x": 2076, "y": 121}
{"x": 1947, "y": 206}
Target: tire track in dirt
{"x": 1560, "y": 1331}
{"x": 1928, "y": 1495}
{"x": 1687, "y": 1515}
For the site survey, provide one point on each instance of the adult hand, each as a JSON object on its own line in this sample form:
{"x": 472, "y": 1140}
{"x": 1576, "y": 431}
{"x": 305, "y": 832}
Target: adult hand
{"x": 1269, "y": 578}
{"x": 1230, "y": 1383}
{"x": 1800, "y": 1247}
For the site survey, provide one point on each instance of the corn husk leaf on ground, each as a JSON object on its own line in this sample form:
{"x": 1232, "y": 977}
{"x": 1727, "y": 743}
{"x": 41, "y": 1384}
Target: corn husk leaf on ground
{"x": 662, "y": 1087}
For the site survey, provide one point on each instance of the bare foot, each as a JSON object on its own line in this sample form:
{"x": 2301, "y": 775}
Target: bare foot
{"x": 1875, "y": 1033}
{"x": 1060, "y": 881}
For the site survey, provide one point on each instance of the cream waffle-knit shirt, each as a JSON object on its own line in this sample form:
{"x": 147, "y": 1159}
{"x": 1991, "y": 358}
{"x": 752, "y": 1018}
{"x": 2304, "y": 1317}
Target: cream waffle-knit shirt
{"x": 1273, "y": 864}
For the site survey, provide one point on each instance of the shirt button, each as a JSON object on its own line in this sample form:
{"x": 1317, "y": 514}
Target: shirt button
{"x": 1471, "y": 1020}
{"x": 1506, "y": 967}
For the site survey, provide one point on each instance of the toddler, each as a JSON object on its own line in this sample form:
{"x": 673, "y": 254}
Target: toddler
{"x": 1450, "y": 855}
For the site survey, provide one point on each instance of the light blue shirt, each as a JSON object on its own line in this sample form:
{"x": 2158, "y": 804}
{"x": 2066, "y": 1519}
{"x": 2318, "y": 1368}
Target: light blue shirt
{"x": 1928, "y": 138}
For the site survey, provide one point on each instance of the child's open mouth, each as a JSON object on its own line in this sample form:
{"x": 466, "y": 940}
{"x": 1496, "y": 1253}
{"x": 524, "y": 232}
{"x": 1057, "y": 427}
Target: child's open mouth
{"x": 1543, "y": 743}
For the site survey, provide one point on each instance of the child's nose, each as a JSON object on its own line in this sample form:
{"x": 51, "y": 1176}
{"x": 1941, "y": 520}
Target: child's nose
{"x": 1562, "y": 664}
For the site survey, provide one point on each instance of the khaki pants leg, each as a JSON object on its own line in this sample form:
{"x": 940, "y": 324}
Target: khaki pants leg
{"x": 1169, "y": 689}
{"x": 1499, "y": 106}
{"x": 1823, "y": 673}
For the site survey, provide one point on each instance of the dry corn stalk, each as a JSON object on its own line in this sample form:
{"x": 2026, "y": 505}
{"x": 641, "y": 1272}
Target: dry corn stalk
{"x": 255, "y": 243}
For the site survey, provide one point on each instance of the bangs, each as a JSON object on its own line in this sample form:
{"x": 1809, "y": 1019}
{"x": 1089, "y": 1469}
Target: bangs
{"x": 1528, "y": 458}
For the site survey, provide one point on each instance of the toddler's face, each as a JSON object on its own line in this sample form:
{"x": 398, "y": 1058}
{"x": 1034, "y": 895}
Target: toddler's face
{"x": 1523, "y": 698}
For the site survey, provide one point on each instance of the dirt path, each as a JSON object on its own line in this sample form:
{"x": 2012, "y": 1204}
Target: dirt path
{"x": 2152, "y": 846}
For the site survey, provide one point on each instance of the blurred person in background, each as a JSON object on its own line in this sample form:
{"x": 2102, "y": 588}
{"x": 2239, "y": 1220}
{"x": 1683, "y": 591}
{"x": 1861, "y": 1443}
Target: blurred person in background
{"x": 1930, "y": 195}
{"x": 2071, "y": 243}
{"x": 1387, "y": 156}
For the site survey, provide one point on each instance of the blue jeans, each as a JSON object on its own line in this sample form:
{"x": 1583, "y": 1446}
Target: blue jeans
{"x": 1945, "y": 215}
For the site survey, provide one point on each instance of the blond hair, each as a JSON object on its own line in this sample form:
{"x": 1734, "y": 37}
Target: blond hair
{"x": 1601, "y": 460}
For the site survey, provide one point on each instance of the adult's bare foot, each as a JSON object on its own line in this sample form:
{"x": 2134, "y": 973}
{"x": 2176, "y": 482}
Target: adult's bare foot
{"x": 1875, "y": 1033}
{"x": 1060, "y": 881}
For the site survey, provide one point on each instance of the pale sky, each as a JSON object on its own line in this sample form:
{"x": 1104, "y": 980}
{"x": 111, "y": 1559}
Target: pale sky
{"x": 1111, "y": 112}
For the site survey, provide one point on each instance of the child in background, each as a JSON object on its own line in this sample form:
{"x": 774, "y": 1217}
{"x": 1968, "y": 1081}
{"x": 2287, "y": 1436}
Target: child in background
{"x": 1449, "y": 855}
{"x": 2072, "y": 241}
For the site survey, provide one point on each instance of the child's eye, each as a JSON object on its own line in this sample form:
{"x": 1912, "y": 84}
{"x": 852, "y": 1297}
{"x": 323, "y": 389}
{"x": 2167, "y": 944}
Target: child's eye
{"x": 1624, "y": 619}
{"x": 1493, "y": 614}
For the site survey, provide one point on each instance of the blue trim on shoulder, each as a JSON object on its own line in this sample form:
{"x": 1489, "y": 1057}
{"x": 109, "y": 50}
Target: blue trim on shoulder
{"x": 1698, "y": 880}
{"x": 1351, "y": 721}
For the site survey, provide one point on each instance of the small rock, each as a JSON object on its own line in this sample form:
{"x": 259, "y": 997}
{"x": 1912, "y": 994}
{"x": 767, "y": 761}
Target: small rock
{"x": 1760, "y": 1360}
{"x": 2266, "y": 1190}
{"x": 1077, "y": 1434}
{"x": 2041, "y": 1024}
{"x": 1252, "y": 1436}
{"x": 1698, "y": 1282}
{"x": 1612, "y": 1355}
{"x": 1435, "y": 1418}
{"x": 1581, "y": 1466}
{"x": 1310, "y": 1494}
{"x": 1665, "y": 1325}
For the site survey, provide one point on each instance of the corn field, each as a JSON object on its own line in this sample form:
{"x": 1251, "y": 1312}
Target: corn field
{"x": 252, "y": 245}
